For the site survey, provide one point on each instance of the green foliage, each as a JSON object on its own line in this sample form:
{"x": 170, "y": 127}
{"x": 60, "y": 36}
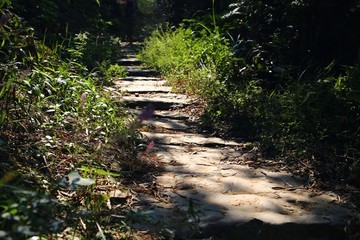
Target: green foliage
{"x": 26, "y": 213}
{"x": 193, "y": 59}
{"x": 16, "y": 53}
{"x": 97, "y": 53}
{"x": 57, "y": 16}
{"x": 97, "y": 171}
{"x": 92, "y": 51}
{"x": 305, "y": 121}
{"x": 3, "y": 2}
{"x": 55, "y": 116}
{"x": 296, "y": 32}
{"x": 112, "y": 71}
{"x": 250, "y": 88}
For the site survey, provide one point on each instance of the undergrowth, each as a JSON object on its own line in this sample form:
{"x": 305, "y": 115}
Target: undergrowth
{"x": 65, "y": 139}
{"x": 311, "y": 121}
{"x": 195, "y": 61}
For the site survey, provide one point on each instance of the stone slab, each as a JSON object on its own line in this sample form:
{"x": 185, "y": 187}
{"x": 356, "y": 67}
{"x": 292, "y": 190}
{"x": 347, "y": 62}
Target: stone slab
{"x": 170, "y": 124}
{"x": 139, "y": 71}
{"x": 141, "y": 82}
{"x": 212, "y": 203}
{"x": 128, "y": 61}
{"x": 139, "y": 78}
{"x": 141, "y": 86}
{"x": 187, "y": 138}
{"x": 160, "y": 102}
{"x": 147, "y": 89}
{"x": 163, "y": 114}
{"x": 196, "y": 180}
{"x": 171, "y": 115}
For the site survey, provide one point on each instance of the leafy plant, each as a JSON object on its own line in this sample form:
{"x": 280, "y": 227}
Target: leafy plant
{"x": 27, "y": 213}
{"x": 111, "y": 72}
{"x": 298, "y": 113}
{"x": 93, "y": 50}
{"x": 194, "y": 57}
{"x": 55, "y": 116}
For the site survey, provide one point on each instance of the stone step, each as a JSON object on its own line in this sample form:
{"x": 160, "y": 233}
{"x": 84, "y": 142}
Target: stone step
{"x": 169, "y": 124}
{"x": 129, "y": 50}
{"x": 136, "y": 71}
{"x": 129, "y": 61}
{"x": 164, "y": 114}
{"x": 158, "y": 101}
{"x": 140, "y": 82}
{"x": 149, "y": 89}
{"x": 128, "y": 53}
{"x": 171, "y": 115}
{"x": 141, "y": 86}
{"x": 138, "y": 78}
{"x": 187, "y": 138}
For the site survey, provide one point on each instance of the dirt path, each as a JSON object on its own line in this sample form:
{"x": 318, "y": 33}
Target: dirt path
{"x": 202, "y": 193}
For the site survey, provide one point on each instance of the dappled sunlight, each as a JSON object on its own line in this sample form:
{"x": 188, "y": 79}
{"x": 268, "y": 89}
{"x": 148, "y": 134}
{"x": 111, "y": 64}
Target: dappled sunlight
{"x": 179, "y": 119}
{"x": 201, "y": 185}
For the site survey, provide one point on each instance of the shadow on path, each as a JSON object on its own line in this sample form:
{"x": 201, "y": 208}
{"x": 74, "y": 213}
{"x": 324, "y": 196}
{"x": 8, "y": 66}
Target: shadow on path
{"x": 199, "y": 195}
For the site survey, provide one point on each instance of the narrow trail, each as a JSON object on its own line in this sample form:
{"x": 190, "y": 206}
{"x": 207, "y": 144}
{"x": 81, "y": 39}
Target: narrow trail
{"x": 206, "y": 190}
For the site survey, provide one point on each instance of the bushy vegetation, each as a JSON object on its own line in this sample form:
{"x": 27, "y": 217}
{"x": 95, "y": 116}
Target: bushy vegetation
{"x": 261, "y": 76}
{"x": 194, "y": 60}
{"x": 63, "y": 134}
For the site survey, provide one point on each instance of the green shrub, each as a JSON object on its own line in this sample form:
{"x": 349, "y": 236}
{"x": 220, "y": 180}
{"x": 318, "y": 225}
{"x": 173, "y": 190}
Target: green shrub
{"x": 318, "y": 121}
{"x": 111, "y": 72}
{"x": 27, "y": 213}
{"x": 92, "y": 50}
{"x": 314, "y": 118}
{"x": 55, "y": 115}
{"x": 192, "y": 58}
